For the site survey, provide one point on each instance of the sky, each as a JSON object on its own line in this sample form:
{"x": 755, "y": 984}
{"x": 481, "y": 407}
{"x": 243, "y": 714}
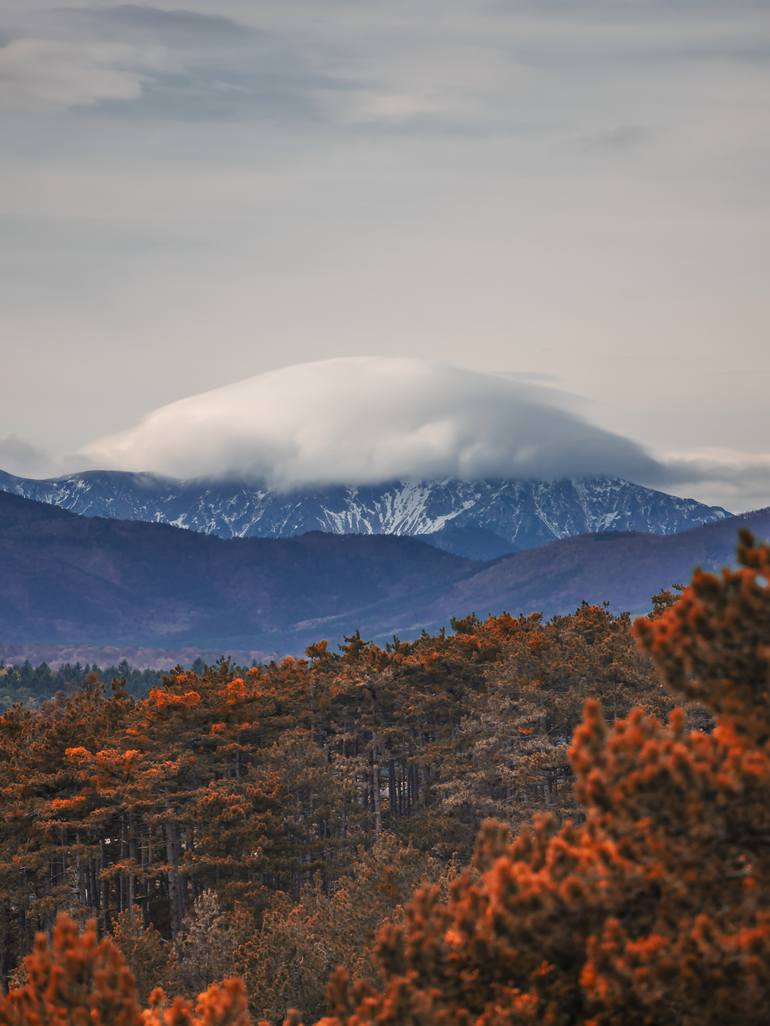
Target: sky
{"x": 566, "y": 195}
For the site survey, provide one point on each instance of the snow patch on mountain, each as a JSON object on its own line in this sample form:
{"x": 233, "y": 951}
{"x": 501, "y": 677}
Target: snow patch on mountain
{"x": 521, "y": 513}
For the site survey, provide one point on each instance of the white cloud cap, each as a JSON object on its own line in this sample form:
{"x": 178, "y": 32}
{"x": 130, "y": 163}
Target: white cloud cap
{"x": 371, "y": 419}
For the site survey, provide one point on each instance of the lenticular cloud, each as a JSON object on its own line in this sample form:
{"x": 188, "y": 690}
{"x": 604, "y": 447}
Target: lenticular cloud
{"x": 369, "y": 420}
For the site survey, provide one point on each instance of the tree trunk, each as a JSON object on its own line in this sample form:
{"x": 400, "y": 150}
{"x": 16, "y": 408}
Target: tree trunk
{"x": 175, "y": 884}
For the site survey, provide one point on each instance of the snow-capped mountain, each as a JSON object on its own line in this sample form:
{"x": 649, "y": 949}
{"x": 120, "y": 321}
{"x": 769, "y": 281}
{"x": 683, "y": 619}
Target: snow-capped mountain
{"x": 482, "y": 519}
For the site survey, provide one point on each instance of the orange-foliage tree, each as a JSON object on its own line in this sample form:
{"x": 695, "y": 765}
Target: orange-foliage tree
{"x": 654, "y": 908}
{"x": 77, "y": 980}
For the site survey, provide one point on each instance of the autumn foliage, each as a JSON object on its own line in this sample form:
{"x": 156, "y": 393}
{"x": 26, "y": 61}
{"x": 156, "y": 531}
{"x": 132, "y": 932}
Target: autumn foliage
{"x": 271, "y": 824}
{"x": 652, "y": 910}
{"x": 77, "y": 980}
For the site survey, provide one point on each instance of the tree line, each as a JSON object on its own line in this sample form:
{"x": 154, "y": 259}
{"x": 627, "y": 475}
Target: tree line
{"x": 32, "y": 684}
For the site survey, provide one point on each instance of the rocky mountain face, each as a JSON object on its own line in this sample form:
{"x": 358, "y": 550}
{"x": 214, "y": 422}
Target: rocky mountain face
{"x": 480, "y": 519}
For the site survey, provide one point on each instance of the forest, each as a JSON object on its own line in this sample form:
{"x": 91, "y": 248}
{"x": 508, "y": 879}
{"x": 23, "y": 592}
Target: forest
{"x": 519, "y": 821}
{"x": 31, "y": 685}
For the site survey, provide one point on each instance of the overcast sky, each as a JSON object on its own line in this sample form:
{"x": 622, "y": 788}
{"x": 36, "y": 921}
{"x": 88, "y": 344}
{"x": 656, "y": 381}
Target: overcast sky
{"x": 570, "y": 191}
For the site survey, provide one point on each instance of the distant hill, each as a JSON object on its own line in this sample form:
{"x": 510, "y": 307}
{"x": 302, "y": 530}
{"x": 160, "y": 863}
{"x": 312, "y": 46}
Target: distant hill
{"x": 94, "y": 583}
{"x": 470, "y": 541}
{"x": 74, "y": 580}
{"x": 478, "y": 519}
{"x": 624, "y": 570}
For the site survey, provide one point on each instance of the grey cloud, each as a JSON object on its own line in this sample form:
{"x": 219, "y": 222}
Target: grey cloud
{"x": 207, "y": 93}
{"x": 47, "y": 74}
{"x": 619, "y": 139}
{"x": 473, "y": 71}
{"x": 535, "y": 377}
{"x": 371, "y": 419}
{"x": 367, "y": 420}
{"x": 737, "y": 480}
{"x": 178, "y": 27}
{"x": 18, "y": 456}
{"x": 218, "y": 67}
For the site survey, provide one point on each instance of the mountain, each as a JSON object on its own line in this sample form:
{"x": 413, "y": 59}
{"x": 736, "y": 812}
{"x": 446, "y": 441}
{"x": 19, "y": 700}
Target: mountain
{"x": 75, "y": 580}
{"x": 473, "y": 518}
{"x": 624, "y": 570}
{"x": 71, "y": 581}
{"x": 469, "y": 540}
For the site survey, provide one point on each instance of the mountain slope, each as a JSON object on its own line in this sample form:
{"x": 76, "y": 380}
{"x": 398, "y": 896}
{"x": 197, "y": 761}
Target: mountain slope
{"x": 485, "y": 517}
{"x": 624, "y": 570}
{"x": 71, "y": 579}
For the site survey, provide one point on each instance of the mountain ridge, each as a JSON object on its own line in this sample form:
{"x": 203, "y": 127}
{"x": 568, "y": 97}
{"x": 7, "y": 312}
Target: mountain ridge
{"x": 623, "y": 569}
{"x": 480, "y": 519}
{"x": 71, "y": 581}
{"x": 75, "y": 580}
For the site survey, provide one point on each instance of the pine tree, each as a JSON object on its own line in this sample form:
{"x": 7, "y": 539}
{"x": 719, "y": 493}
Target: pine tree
{"x": 145, "y": 951}
{"x": 77, "y": 980}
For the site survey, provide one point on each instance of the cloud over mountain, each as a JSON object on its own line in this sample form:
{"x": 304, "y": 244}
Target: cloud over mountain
{"x": 371, "y": 419}
{"x": 18, "y": 456}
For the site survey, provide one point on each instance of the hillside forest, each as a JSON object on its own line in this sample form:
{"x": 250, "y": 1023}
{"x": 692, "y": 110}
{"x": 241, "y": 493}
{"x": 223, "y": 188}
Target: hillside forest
{"x": 520, "y": 821}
